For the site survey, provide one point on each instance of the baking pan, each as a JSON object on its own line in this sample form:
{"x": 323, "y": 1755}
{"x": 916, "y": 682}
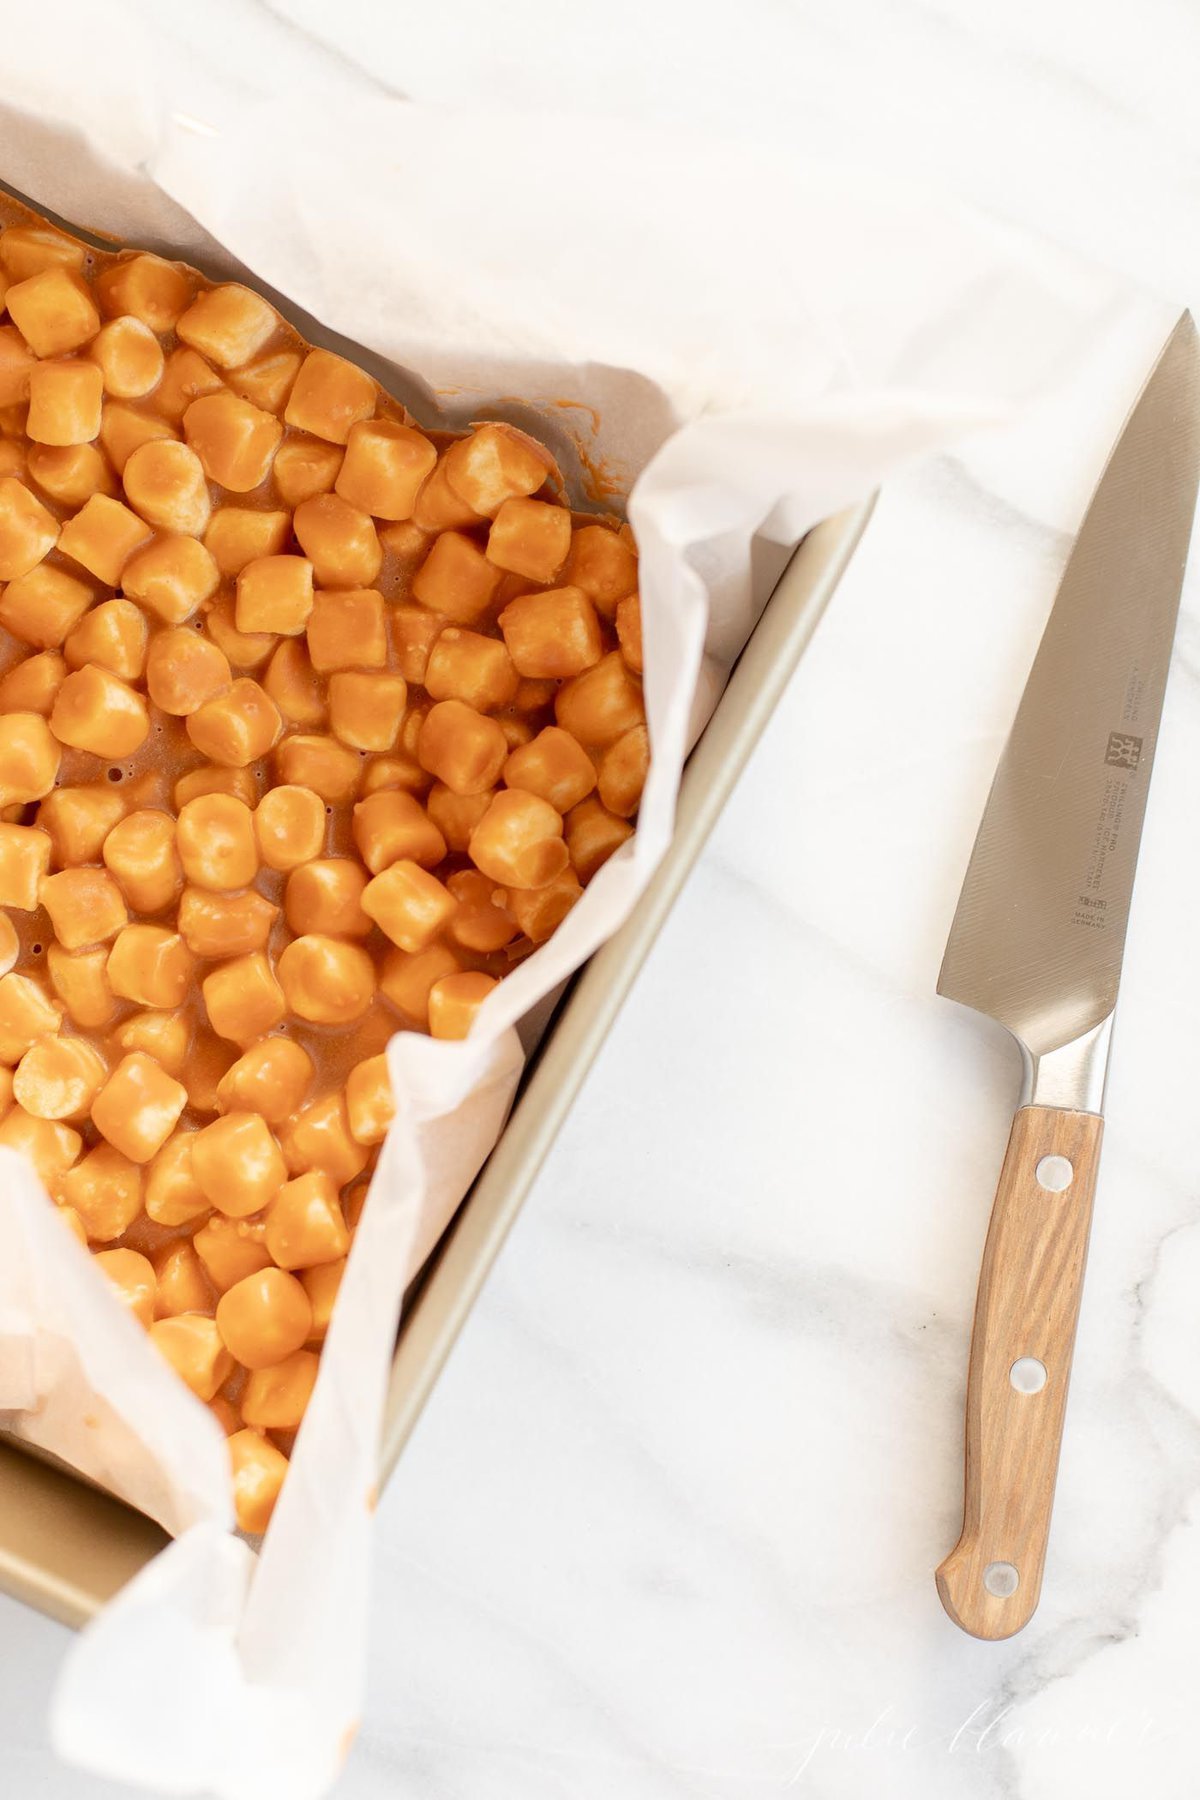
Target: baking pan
{"x": 66, "y": 1547}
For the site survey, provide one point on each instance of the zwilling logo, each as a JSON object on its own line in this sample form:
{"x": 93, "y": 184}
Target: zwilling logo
{"x": 1123, "y": 752}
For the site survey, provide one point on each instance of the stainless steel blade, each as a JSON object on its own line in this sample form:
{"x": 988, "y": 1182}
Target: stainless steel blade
{"x": 1039, "y": 933}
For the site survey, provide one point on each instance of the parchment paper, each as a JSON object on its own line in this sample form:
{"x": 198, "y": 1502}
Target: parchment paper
{"x": 749, "y": 347}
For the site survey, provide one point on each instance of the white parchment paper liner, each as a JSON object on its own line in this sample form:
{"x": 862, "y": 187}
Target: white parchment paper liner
{"x": 762, "y": 345}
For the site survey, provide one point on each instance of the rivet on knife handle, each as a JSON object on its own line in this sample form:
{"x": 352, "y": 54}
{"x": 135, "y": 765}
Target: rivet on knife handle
{"x": 1021, "y": 1347}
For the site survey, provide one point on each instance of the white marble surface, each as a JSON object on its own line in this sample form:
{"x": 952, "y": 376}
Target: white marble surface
{"x": 669, "y": 1524}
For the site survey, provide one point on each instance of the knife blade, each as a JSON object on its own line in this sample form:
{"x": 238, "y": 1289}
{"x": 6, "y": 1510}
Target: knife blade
{"x": 1037, "y": 944}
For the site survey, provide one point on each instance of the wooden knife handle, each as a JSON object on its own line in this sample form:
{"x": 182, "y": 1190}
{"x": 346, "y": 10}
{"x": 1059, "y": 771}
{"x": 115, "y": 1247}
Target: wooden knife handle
{"x": 1027, "y": 1308}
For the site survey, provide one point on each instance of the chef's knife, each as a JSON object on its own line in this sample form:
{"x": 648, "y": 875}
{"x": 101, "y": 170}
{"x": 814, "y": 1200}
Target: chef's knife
{"x": 1037, "y": 943}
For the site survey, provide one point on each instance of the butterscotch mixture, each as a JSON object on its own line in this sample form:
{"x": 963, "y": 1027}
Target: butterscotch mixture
{"x": 312, "y": 725}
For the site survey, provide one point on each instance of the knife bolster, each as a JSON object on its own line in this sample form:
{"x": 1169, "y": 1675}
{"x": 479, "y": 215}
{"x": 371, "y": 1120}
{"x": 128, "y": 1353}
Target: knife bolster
{"x": 1072, "y": 1077}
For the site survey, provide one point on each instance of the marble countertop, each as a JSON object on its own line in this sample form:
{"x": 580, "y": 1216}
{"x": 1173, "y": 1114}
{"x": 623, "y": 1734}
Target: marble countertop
{"x": 669, "y": 1525}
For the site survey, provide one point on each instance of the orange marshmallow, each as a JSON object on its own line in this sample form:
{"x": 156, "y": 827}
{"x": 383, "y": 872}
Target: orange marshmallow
{"x": 95, "y": 711}
{"x": 293, "y": 685}
{"x": 216, "y": 842}
{"x": 461, "y": 747}
{"x": 289, "y": 824}
{"x": 71, "y": 473}
{"x": 463, "y": 665}
{"x": 247, "y": 650}
{"x": 105, "y": 1190}
{"x": 530, "y": 538}
{"x": 165, "y": 483}
{"x": 102, "y": 536}
{"x": 185, "y": 377}
{"x": 237, "y": 1164}
{"x": 51, "y": 1147}
{"x": 275, "y": 1399}
{"x": 439, "y": 508}
{"x": 275, "y": 593}
{"x": 222, "y": 925}
{"x": 137, "y": 1108}
{"x": 237, "y": 535}
{"x": 150, "y": 964}
{"x": 305, "y": 466}
{"x": 554, "y": 766}
{"x": 29, "y": 756}
{"x": 384, "y": 466}
{"x": 237, "y": 727}
{"x": 165, "y": 1036}
{"x": 347, "y": 630}
{"x": 129, "y": 359}
{"x": 324, "y": 896}
{"x": 243, "y": 999}
{"x": 415, "y": 630}
{"x": 31, "y": 684}
{"x": 455, "y": 815}
{"x": 64, "y": 402}
{"x": 319, "y": 763}
{"x": 44, "y": 607}
{"x": 140, "y": 853}
{"x": 259, "y": 1470}
{"x": 231, "y": 1250}
{"x": 409, "y": 904}
{"x": 173, "y": 576}
{"x": 124, "y": 429}
{"x": 329, "y": 396}
{"x": 80, "y": 980}
{"x": 53, "y": 310}
{"x": 235, "y": 440}
{"x": 603, "y": 565}
{"x": 454, "y": 1002}
{"x": 484, "y": 922}
{"x": 519, "y": 841}
{"x": 84, "y": 906}
{"x": 456, "y": 579}
{"x": 540, "y": 911}
{"x": 321, "y": 1284}
{"x": 229, "y": 324}
{"x": 305, "y": 1224}
{"x": 184, "y": 671}
{"x": 325, "y": 980}
{"x": 391, "y": 826}
{"x": 27, "y": 249}
{"x": 112, "y": 635}
{"x": 494, "y": 464}
{"x": 623, "y": 769}
{"x": 182, "y": 1285}
{"x": 264, "y": 1318}
{"x": 149, "y": 288}
{"x": 192, "y": 1345}
{"x": 340, "y": 541}
{"x": 267, "y": 381}
{"x": 602, "y": 704}
{"x": 319, "y": 1137}
{"x": 133, "y": 1280}
{"x": 24, "y": 860}
{"x": 272, "y": 1078}
{"x": 369, "y": 1103}
{"x": 58, "y": 1078}
{"x": 27, "y": 529}
{"x": 407, "y": 978}
{"x": 552, "y": 635}
{"x": 592, "y": 834}
{"x": 366, "y": 711}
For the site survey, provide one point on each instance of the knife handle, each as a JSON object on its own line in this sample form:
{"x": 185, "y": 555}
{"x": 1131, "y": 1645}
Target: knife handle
{"x": 1025, "y": 1315}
